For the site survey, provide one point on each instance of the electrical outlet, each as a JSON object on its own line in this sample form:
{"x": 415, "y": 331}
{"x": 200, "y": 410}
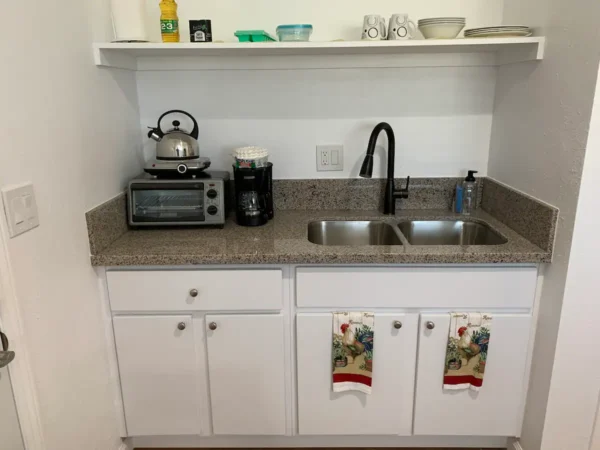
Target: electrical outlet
{"x": 330, "y": 158}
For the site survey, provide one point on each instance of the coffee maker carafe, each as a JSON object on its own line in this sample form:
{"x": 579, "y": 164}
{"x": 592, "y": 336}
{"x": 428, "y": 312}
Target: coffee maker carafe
{"x": 253, "y": 195}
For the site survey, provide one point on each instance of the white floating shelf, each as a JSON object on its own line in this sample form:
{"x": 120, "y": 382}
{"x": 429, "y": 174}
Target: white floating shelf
{"x": 342, "y": 54}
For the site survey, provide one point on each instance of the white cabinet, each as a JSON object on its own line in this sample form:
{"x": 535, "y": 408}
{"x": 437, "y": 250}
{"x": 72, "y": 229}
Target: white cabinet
{"x": 495, "y": 409}
{"x": 246, "y": 365}
{"x": 388, "y": 410}
{"x": 159, "y": 379}
{"x": 192, "y": 351}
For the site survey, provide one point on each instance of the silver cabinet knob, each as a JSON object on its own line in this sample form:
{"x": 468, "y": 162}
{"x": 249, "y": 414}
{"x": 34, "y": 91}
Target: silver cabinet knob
{"x": 212, "y": 326}
{"x": 397, "y": 324}
{"x": 181, "y": 326}
{"x": 194, "y": 292}
{"x": 430, "y": 325}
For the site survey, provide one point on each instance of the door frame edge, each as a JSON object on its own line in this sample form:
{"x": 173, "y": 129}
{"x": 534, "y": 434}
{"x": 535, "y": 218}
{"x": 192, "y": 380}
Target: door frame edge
{"x": 20, "y": 370}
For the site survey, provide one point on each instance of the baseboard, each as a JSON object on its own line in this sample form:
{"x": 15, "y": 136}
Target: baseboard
{"x": 516, "y": 445}
{"x": 123, "y": 446}
{"x": 347, "y": 442}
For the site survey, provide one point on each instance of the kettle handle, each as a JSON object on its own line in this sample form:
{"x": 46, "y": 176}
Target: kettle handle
{"x": 194, "y": 132}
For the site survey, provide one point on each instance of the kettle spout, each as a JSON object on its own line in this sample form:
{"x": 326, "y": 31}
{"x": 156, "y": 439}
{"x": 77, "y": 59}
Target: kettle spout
{"x": 155, "y": 134}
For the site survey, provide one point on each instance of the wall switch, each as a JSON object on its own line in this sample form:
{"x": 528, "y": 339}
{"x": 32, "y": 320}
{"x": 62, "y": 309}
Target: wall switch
{"x": 330, "y": 158}
{"x": 20, "y": 209}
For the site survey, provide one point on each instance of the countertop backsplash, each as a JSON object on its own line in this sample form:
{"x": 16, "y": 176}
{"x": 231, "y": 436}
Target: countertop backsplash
{"x": 528, "y": 216}
{"x": 362, "y": 194}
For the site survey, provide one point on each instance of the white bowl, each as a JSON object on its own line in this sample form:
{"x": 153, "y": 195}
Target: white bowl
{"x": 441, "y": 30}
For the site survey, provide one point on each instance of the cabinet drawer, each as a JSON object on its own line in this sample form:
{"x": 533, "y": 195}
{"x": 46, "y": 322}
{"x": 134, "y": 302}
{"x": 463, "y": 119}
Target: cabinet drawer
{"x": 454, "y": 288}
{"x": 195, "y": 290}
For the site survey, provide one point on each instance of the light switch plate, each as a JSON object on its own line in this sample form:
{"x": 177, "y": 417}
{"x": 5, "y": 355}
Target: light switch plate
{"x": 20, "y": 208}
{"x": 330, "y": 158}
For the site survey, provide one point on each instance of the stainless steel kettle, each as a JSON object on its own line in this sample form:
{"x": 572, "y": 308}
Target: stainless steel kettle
{"x": 175, "y": 144}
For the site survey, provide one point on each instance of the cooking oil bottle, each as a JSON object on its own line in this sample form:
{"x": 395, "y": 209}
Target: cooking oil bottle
{"x": 169, "y": 22}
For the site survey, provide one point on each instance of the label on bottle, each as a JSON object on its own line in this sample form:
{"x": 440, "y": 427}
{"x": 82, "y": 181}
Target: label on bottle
{"x": 169, "y": 26}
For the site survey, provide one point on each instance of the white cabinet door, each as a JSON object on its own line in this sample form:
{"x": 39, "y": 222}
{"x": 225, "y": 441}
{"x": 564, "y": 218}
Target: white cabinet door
{"x": 159, "y": 379}
{"x": 495, "y": 409}
{"x": 246, "y": 367}
{"x": 388, "y": 410}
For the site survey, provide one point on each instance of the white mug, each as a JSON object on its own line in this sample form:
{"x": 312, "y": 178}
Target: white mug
{"x": 374, "y": 28}
{"x": 401, "y": 27}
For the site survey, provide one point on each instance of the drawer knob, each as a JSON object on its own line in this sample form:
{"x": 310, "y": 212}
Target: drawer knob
{"x": 194, "y": 292}
{"x": 430, "y": 325}
{"x": 212, "y": 326}
{"x": 397, "y": 324}
{"x": 181, "y": 326}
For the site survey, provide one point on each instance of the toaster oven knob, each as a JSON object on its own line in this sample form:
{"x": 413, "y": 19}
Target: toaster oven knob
{"x": 182, "y": 168}
{"x": 212, "y": 210}
{"x": 211, "y": 193}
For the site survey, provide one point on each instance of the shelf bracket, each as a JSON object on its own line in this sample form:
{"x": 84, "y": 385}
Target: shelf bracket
{"x": 114, "y": 58}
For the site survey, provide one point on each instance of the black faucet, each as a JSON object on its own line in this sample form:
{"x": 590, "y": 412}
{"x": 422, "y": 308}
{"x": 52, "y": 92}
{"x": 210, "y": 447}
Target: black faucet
{"x": 366, "y": 170}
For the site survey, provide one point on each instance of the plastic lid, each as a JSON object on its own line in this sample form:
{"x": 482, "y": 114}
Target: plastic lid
{"x": 470, "y": 176}
{"x": 302, "y": 26}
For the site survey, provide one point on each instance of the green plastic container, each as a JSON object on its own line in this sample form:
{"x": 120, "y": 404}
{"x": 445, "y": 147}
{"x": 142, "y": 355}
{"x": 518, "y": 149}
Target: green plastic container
{"x": 254, "y": 36}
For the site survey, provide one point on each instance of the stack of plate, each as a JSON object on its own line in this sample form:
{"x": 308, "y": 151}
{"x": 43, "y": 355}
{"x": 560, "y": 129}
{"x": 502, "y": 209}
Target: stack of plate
{"x": 441, "y": 27}
{"x": 504, "y": 31}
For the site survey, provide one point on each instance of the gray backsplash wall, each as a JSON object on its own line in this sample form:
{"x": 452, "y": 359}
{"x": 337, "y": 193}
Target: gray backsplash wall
{"x": 528, "y": 216}
{"x": 362, "y": 194}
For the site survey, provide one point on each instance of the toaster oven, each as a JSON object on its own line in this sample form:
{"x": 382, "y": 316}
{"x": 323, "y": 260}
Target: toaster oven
{"x": 202, "y": 200}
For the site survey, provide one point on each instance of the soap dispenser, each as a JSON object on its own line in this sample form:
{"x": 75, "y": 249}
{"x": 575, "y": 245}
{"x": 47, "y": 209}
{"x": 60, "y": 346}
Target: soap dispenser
{"x": 469, "y": 193}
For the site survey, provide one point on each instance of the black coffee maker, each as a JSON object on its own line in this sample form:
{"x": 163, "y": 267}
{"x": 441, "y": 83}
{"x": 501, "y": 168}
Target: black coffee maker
{"x": 253, "y": 195}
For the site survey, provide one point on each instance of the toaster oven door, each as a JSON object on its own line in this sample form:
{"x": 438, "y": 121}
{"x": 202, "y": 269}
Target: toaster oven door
{"x": 166, "y": 204}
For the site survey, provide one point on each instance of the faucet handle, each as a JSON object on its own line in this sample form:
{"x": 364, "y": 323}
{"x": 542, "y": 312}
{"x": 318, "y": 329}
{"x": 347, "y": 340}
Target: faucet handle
{"x": 403, "y": 193}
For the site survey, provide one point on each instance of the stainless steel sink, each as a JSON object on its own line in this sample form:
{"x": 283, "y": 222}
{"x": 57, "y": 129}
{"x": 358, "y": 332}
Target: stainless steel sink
{"x": 352, "y": 232}
{"x": 449, "y": 232}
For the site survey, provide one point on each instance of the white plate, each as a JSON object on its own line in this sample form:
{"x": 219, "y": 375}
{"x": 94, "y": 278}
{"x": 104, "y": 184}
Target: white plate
{"x": 503, "y": 28}
{"x": 526, "y": 30}
{"x": 500, "y": 27}
{"x": 500, "y": 34}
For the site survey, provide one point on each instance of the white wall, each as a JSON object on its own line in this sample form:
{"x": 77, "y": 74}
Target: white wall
{"x": 441, "y": 116}
{"x": 539, "y": 136}
{"x": 576, "y": 349}
{"x": 291, "y": 111}
{"x": 73, "y": 130}
{"x": 331, "y": 19}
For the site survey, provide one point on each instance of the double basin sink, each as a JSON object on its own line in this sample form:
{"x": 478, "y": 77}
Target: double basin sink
{"x": 416, "y": 232}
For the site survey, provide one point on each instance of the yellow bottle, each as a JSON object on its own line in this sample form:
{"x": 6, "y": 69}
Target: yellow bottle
{"x": 169, "y": 22}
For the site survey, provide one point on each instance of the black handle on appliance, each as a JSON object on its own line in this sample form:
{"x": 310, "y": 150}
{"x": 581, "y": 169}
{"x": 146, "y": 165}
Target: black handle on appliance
{"x": 194, "y": 132}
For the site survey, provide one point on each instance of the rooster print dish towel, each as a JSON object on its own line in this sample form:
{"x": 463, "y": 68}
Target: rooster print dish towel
{"x": 353, "y": 351}
{"x": 467, "y": 351}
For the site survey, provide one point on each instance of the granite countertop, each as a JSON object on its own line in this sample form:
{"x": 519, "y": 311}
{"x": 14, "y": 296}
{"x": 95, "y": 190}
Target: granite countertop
{"x": 284, "y": 241}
